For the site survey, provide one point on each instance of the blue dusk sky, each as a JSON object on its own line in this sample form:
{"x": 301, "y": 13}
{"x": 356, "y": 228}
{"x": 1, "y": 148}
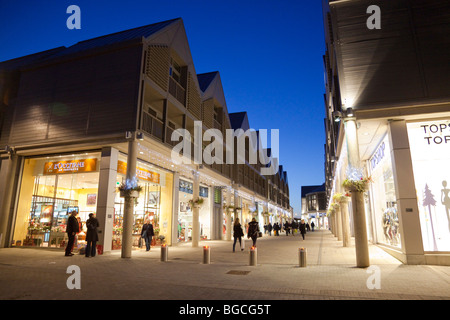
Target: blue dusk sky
{"x": 268, "y": 52}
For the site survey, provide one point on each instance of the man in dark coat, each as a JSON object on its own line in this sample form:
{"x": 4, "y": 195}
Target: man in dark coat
{"x": 91, "y": 235}
{"x": 253, "y": 230}
{"x": 147, "y": 233}
{"x": 72, "y": 229}
{"x": 302, "y": 228}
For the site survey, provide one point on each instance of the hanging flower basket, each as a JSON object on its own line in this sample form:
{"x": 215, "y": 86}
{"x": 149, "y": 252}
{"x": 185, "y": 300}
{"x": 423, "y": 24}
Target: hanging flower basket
{"x": 340, "y": 198}
{"x": 130, "y": 190}
{"x": 197, "y": 203}
{"x": 330, "y": 212}
{"x": 360, "y": 185}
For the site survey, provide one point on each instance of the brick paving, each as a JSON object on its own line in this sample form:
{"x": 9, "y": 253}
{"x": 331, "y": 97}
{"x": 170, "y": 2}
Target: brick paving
{"x": 41, "y": 274}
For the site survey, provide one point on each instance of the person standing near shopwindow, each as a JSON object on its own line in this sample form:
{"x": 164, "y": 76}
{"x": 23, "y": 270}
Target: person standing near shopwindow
{"x": 91, "y": 235}
{"x": 147, "y": 233}
{"x": 72, "y": 229}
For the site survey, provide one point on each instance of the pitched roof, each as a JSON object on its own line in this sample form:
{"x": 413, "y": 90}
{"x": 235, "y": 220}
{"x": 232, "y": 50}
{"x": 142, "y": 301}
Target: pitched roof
{"x": 121, "y": 36}
{"x": 20, "y": 62}
{"x": 205, "y": 79}
{"x": 239, "y": 120}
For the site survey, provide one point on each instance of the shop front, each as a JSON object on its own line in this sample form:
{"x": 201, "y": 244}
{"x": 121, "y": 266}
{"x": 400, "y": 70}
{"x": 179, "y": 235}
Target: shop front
{"x": 385, "y": 219}
{"x": 430, "y": 154}
{"x": 154, "y": 204}
{"x": 51, "y": 188}
{"x": 185, "y": 211}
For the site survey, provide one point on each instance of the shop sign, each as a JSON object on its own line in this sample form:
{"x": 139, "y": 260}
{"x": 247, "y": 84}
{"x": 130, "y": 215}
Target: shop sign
{"x": 436, "y": 133}
{"x": 70, "y": 166}
{"x": 141, "y": 173}
{"x": 188, "y": 187}
{"x": 378, "y": 155}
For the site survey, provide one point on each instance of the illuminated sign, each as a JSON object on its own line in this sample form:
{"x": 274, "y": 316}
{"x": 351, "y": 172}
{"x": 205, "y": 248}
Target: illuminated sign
{"x": 70, "y": 166}
{"x": 141, "y": 173}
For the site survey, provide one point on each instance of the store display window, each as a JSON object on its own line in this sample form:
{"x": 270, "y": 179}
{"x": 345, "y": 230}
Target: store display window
{"x": 384, "y": 203}
{"x": 154, "y": 204}
{"x": 184, "y": 228}
{"x": 52, "y": 187}
{"x": 430, "y": 154}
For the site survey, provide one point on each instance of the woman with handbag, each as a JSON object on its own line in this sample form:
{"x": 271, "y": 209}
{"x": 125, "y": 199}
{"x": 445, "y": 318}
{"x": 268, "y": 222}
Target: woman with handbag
{"x": 238, "y": 233}
{"x": 147, "y": 233}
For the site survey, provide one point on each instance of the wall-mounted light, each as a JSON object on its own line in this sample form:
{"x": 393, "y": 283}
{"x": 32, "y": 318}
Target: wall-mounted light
{"x": 337, "y": 115}
{"x": 349, "y": 112}
{"x": 140, "y": 136}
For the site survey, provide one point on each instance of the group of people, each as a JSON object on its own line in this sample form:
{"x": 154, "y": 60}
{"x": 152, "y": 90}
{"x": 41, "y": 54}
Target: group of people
{"x": 238, "y": 233}
{"x": 253, "y": 230}
{"x": 289, "y": 228}
{"x": 73, "y": 227}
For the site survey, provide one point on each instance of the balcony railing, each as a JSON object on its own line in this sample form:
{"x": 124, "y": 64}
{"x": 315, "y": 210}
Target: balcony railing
{"x": 176, "y": 90}
{"x": 152, "y": 126}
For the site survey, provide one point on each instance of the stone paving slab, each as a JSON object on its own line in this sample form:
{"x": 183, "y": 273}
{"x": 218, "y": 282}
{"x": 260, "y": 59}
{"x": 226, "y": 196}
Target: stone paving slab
{"x": 330, "y": 274}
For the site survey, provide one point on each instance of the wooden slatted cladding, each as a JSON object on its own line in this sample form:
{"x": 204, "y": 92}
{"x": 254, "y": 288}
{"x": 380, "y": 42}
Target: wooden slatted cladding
{"x": 194, "y": 103}
{"x": 77, "y": 98}
{"x": 158, "y": 65}
{"x": 208, "y": 113}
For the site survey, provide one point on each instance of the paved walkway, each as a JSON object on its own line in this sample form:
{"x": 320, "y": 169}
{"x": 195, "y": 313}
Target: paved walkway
{"x": 330, "y": 273}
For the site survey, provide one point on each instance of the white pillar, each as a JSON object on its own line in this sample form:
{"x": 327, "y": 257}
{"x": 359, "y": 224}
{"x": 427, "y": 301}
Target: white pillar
{"x": 195, "y": 210}
{"x": 405, "y": 192}
{"x": 228, "y": 213}
{"x": 128, "y": 212}
{"x": 175, "y": 206}
{"x": 345, "y": 224}
{"x": 359, "y": 216}
{"x": 106, "y": 196}
{"x": 7, "y": 177}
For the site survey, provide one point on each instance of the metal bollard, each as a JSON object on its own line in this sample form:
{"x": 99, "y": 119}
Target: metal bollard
{"x": 164, "y": 252}
{"x": 206, "y": 255}
{"x": 253, "y": 256}
{"x": 302, "y": 257}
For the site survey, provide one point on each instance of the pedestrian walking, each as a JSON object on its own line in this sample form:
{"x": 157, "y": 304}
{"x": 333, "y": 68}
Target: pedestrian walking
{"x": 287, "y": 227}
{"x": 237, "y": 234}
{"x": 312, "y": 226}
{"x": 91, "y": 236}
{"x": 72, "y": 229}
{"x": 269, "y": 228}
{"x": 253, "y": 230}
{"x": 303, "y": 228}
{"x": 147, "y": 234}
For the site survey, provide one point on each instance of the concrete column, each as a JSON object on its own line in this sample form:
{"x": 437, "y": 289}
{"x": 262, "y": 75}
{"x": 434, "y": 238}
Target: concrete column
{"x": 359, "y": 216}
{"x": 7, "y": 182}
{"x": 195, "y": 210}
{"x": 339, "y": 224}
{"x": 345, "y": 224}
{"x": 106, "y": 196}
{"x": 228, "y": 212}
{"x": 405, "y": 192}
{"x": 361, "y": 241}
{"x": 237, "y": 204}
{"x": 175, "y": 206}
{"x": 128, "y": 212}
